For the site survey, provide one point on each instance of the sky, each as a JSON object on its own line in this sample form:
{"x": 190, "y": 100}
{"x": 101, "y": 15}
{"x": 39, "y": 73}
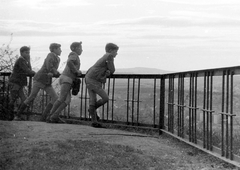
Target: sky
{"x": 172, "y": 35}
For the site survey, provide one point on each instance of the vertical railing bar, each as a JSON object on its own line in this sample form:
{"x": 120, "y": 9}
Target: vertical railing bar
{"x": 222, "y": 116}
{"x": 4, "y": 84}
{"x": 173, "y": 108}
{"x": 113, "y": 92}
{"x": 109, "y": 83}
{"x": 8, "y": 95}
{"x": 29, "y": 91}
{"x": 195, "y": 111}
{"x": 192, "y": 109}
{"x": 231, "y": 118}
{"x": 204, "y": 107}
{"x": 42, "y": 100}
{"x": 169, "y": 105}
{"x": 85, "y": 102}
{"x": 154, "y": 102}
{"x": 172, "y": 125}
{"x": 128, "y": 99}
{"x": 68, "y": 112}
{"x": 138, "y": 98}
{"x": 170, "y": 116}
{"x": 178, "y": 107}
{"x": 3, "y": 88}
{"x": 133, "y": 96}
{"x": 162, "y": 104}
{"x": 211, "y": 90}
{"x": 192, "y": 102}
{"x": 103, "y": 108}
{"x": 208, "y": 112}
{"x": 30, "y": 86}
{"x": 227, "y": 110}
{"x": 189, "y": 114}
{"x": 81, "y": 100}
{"x": 181, "y": 104}
{"x": 172, "y": 101}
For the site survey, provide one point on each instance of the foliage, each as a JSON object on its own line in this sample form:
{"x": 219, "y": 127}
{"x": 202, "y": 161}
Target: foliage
{"x": 7, "y": 57}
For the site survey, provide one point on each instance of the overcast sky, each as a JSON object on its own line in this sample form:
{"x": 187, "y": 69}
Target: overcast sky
{"x": 174, "y": 35}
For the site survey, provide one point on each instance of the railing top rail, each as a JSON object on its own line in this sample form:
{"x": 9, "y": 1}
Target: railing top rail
{"x": 214, "y": 71}
{"x": 5, "y": 73}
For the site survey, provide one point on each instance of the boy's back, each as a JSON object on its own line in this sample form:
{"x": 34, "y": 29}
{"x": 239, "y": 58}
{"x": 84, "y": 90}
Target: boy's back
{"x": 97, "y": 71}
{"x": 21, "y": 69}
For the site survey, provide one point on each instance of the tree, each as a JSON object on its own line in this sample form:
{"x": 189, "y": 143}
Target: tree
{"x": 7, "y": 57}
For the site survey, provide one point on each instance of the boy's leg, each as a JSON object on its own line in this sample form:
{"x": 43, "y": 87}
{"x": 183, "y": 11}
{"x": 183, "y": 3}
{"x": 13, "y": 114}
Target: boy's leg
{"x": 51, "y": 92}
{"x": 30, "y": 98}
{"x": 104, "y": 97}
{"x": 55, "y": 117}
{"x": 62, "y": 102}
{"x": 46, "y": 111}
{"x": 56, "y": 104}
{"x": 92, "y": 108}
{"x": 22, "y": 95}
{"x": 14, "y": 94}
{"x": 92, "y": 103}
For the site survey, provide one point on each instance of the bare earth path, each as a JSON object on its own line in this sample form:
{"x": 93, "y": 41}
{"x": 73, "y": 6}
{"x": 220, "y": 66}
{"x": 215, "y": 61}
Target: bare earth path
{"x": 38, "y": 146}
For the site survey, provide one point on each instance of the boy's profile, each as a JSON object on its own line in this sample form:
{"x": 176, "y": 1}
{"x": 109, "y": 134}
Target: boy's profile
{"x": 18, "y": 79}
{"x": 96, "y": 76}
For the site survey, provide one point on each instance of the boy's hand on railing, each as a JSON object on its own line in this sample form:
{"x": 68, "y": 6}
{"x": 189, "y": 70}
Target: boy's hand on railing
{"x": 31, "y": 74}
{"x": 107, "y": 73}
{"x": 57, "y": 75}
{"x": 78, "y": 73}
{"x": 50, "y": 74}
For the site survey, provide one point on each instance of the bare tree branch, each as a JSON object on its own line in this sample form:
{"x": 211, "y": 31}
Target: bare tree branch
{"x": 7, "y": 57}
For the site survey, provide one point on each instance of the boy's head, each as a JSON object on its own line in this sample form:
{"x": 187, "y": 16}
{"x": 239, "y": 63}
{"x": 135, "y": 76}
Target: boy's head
{"x": 23, "y": 49}
{"x": 55, "y": 48}
{"x": 25, "y": 52}
{"x": 111, "y": 47}
{"x": 76, "y": 47}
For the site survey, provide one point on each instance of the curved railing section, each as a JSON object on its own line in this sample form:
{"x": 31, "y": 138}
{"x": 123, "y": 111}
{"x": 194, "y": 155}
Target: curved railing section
{"x": 198, "y": 107}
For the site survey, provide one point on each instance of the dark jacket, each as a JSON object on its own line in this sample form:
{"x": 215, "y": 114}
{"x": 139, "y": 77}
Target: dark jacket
{"x": 21, "y": 69}
{"x": 50, "y": 65}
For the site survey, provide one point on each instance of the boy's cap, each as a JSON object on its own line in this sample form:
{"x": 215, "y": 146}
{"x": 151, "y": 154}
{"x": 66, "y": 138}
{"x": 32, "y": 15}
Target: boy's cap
{"x": 54, "y": 46}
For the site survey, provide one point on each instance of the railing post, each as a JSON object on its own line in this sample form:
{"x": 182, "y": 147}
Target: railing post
{"x": 162, "y": 104}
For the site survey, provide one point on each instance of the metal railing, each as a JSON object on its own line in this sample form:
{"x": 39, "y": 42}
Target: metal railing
{"x": 199, "y": 107}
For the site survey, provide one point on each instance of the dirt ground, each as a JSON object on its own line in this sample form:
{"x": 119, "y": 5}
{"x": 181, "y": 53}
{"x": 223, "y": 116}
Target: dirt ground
{"x": 32, "y": 145}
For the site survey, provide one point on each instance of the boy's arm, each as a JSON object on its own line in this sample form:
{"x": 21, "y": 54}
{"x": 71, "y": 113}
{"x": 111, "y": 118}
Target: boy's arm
{"x": 50, "y": 66}
{"x": 70, "y": 63}
{"x": 110, "y": 64}
{"x": 27, "y": 69}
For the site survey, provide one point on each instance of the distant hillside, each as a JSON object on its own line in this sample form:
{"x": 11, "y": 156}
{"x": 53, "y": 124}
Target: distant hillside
{"x": 135, "y": 70}
{"x": 140, "y": 70}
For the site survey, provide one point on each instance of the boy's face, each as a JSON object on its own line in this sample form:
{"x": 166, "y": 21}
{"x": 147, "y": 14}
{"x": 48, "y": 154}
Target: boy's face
{"x": 79, "y": 50}
{"x": 57, "y": 51}
{"x": 26, "y": 54}
{"x": 114, "y": 53}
